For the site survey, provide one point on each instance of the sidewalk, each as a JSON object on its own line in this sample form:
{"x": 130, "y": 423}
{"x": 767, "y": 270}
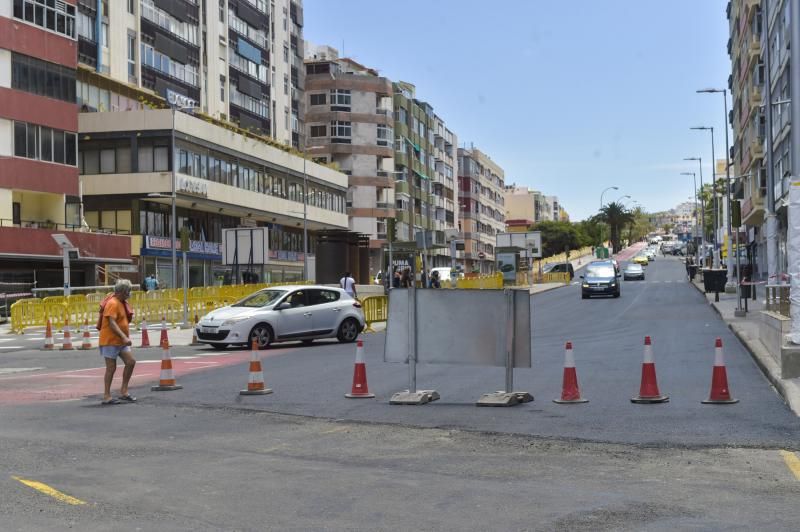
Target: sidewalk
{"x": 747, "y": 330}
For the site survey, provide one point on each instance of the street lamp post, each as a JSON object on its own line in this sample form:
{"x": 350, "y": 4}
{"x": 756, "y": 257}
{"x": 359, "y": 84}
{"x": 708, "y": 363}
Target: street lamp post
{"x": 730, "y": 202}
{"x": 702, "y": 205}
{"x": 601, "y": 208}
{"x": 714, "y": 192}
{"x": 694, "y": 180}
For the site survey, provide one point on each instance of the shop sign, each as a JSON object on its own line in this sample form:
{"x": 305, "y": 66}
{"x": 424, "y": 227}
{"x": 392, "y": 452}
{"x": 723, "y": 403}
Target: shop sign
{"x": 191, "y": 186}
{"x": 195, "y": 246}
{"x": 179, "y": 100}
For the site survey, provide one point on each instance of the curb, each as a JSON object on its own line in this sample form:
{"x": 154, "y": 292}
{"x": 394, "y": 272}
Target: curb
{"x": 789, "y": 391}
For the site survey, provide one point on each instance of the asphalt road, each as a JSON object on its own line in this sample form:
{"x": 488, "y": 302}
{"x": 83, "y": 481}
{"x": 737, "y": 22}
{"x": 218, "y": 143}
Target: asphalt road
{"x": 607, "y": 335}
{"x": 306, "y": 458}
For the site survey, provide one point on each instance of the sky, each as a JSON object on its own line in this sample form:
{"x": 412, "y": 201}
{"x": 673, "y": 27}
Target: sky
{"x": 569, "y": 97}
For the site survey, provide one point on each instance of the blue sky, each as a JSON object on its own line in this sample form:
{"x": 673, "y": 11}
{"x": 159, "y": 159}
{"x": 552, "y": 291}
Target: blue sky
{"x": 568, "y": 97}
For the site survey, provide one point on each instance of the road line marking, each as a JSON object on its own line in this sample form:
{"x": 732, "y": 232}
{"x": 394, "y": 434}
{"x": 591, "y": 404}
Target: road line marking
{"x": 335, "y": 430}
{"x": 183, "y": 358}
{"x": 11, "y": 347}
{"x": 792, "y": 462}
{"x": 7, "y": 371}
{"x": 52, "y": 492}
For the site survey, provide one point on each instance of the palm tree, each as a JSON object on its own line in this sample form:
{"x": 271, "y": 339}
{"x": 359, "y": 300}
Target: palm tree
{"x": 616, "y": 216}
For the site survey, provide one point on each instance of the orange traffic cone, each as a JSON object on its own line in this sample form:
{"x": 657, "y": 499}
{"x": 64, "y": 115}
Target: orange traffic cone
{"x": 166, "y": 382}
{"x": 67, "y": 345}
{"x": 48, "y": 336}
{"x": 194, "y": 331}
{"x": 360, "y": 390}
{"x": 87, "y": 338}
{"x": 720, "y": 394}
{"x": 164, "y": 338}
{"x": 145, "y": 335}
{"x": 648, "y": 391}
{"x": 255, "y": 380}
{"x": 570, "y": 392}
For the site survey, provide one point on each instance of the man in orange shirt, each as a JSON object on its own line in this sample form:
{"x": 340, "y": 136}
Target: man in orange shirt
{"x": 115, "y": 342}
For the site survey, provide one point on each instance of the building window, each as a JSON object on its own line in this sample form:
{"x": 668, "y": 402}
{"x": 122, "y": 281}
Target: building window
{"x": 45, "y": 144}
{"x": 400, "y": 115}
{"x": 285, "y": 54}
{"x": 131, "y": 56}
{"x": 286, "y": 85}
{"x": 222, "y": 10}
{"x": 340, "y": 97}
{"x": 132, "y": 7}
{"x": 318, "y": 99}
{"x": 40, "y": 77}
{"x": 385, "y": 135}
{"x": 222, "y": 88}
{"x": 319, "y": 131}
{"x": 58, "y": 17}
{"x": 340, "y": 131}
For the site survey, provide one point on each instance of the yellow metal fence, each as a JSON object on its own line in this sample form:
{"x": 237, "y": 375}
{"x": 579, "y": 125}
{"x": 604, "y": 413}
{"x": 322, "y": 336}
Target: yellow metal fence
{"x": 152, "y": 306}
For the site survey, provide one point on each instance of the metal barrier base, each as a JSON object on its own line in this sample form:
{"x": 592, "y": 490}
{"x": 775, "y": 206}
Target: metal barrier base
{"x": 166, "y": 388}
{"x": 504, "y": 399}
{"x": 420, "y": 397}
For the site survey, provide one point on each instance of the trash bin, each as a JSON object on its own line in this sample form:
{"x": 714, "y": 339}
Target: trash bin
{"x": 691, "y": 270}
{"x": 745, "y": 291}
{"x": 715, "y": 280}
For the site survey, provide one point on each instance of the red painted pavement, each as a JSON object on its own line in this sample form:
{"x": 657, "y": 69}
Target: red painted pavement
{"x": 630, "y": 251}
{"x": 80, "y": 383}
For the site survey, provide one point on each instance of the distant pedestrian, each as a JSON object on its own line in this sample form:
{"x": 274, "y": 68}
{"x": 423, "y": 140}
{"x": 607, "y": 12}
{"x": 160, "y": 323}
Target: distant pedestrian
{"x": 115, "y": 341}
{"x": 150, "y": 283}
{"x": 348, "y": 284}
{"x": 396, "y": 279}
{"x": 405, "y": 278}
{"x": 435, "y": 282}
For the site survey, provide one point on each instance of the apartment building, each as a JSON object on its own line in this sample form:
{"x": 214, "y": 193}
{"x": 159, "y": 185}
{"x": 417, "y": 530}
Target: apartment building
{"x": 426, "y": 163}
{"x": 481, "y": 185}
{"x": 236, "y": 60}
{"x": 236, "y": 66}
{"x": 759, "y": 50}
{"x": 39, "y": 184}
{"x": 350, "y": 125}
{"x": 526, "y": 206}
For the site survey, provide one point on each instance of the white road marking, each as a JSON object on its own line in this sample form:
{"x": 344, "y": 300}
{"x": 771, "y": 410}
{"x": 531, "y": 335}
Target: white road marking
{"x": 7, "y": 371}
{"x": 11, "y": 347}
{"x": 183, "y": 358}
{"x": 7, "y": 339}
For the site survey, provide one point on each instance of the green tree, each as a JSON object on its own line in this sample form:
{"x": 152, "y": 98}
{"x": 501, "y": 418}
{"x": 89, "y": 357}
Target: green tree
{"x": 617, "y": 217}
{"x": 556, "y": 236}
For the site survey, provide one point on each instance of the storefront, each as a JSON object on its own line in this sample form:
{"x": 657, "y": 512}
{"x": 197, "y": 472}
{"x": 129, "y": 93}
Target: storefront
{"x": 204, "y": 258}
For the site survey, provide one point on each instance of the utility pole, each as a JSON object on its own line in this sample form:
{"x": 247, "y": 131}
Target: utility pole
{"x": 771, "y": 219}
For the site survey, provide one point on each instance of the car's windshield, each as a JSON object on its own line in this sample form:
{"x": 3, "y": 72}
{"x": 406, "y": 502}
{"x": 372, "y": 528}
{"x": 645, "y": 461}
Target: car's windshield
{"x": 633, "y": 267}
{"x": 260, "y": 299}
{"x": 600, "y": 271}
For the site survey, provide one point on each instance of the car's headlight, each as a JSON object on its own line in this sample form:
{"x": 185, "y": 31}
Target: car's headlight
{"x": 585, "y": 285}
{"x": 233, "y": 321}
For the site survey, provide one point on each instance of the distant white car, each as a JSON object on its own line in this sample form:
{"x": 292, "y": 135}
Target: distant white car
{"x": 282, "y": 314}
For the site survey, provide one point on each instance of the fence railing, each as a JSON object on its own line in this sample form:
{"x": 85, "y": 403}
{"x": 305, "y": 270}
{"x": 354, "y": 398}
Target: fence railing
{"x": 778, "y": 298}
{"x": 152, "y": 306}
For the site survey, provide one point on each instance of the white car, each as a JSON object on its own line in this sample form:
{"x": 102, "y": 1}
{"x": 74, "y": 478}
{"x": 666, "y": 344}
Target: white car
{"x": 282, "y": 314}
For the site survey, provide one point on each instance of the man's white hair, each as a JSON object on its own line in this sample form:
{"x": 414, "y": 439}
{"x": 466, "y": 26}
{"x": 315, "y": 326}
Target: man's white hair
{"x": 122, "y": 287}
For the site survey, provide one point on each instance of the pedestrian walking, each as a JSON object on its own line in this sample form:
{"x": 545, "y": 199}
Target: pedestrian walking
{"x": 405, "y": 278}
{"x": 396, "y": 279}
{"x": 115, "y": 341}
{"x": 348, "y": 284}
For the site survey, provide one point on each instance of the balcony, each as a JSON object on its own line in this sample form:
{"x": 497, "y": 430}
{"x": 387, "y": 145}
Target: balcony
{"x": 20, "y": 242}
{"x": 401, "y": 187}
{"x": 755, "y": 98}
{"x": 754, "y": 50}
{"x": 402, "y": 216}
{"x": 753, "y": 210}
{"x": 756, "y": 150}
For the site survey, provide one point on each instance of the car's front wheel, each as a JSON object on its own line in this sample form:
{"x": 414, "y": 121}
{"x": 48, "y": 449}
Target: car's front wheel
{"x": 348, "y": 330}
{"x": 261, "y": 335}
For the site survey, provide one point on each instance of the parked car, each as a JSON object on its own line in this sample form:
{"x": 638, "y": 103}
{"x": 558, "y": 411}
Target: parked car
{"x": 559, "y": 267}
{"x": 284, "y": 313}
{"x": 633, "y": 271}
{"x": 600, "y": 279}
